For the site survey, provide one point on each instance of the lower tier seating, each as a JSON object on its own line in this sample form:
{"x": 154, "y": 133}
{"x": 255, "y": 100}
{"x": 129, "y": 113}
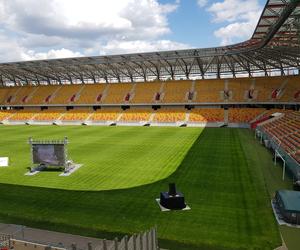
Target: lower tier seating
{"x": 49, "y": 115}
{"x": 285, "y": 129}
{"x": 23, "y": 115}
{"x": 136, "y": 115}
{"x": 4, "y": 114}
{"x": 76, "y": 115}
{"x": 105, "y": 115}
{"x": 207, "y": 115}
{"x": 244, "y": 115}
{"x": 170, "y": 115}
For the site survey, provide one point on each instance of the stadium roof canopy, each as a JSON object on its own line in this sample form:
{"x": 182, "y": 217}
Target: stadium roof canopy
{"x": 274, "y": 46}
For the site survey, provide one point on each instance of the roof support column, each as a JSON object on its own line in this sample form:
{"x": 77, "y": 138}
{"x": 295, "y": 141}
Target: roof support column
{"x": 26, "y": 80}
{"x": 81, "y": 79}
{"x": 172, "y": 72}
{"x": 37, "y": 80}
{"x": 218, "y": 65}
{"x": 281, "y": 70}
{"x": 265, "y": 69}
{"x": 94, "y": 79}
{"x": 1, "y": 81}
{"x": 200, "y": 65}
{"x": 70, "y": 78}
{"x": 249, "y": 69}
{"x": 15, "y": 81}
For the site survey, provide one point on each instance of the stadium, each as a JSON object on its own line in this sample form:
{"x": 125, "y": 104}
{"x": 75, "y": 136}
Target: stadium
{"x": 223, "y": 123}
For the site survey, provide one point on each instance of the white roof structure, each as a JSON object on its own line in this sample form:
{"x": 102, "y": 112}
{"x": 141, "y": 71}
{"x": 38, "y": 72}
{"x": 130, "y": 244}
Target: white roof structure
{"x": 274, "y": 46}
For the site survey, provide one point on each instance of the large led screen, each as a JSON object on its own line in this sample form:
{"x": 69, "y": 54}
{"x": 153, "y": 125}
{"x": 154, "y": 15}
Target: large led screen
{"x": 50, "y": 154}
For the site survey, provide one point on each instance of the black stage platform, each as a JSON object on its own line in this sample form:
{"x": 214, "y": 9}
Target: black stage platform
{"x": 172, "y": 199}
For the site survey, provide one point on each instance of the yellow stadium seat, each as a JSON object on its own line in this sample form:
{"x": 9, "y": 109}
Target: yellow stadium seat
{"x": 76, "y": 115}
{"x": 145, "y": 92}
{"x": 170, "y": 115}
{"x": 136, "y": 114}
{"x": 207, "y": 115}
{"x": 176, "y": 91}
{"x": 107, "y": 114}
{"x": 243, "y": 115}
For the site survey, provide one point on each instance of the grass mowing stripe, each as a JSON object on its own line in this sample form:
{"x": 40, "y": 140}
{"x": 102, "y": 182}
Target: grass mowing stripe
{"x": 113, "y": 157}
{"x": 220, "y": 177}
{"x": 272, "y": 177}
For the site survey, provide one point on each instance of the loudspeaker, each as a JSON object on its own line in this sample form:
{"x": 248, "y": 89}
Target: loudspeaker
{"x": 172, "y": 189}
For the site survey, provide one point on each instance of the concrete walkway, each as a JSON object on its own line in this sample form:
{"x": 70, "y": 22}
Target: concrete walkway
{"x": 51, "y": 238}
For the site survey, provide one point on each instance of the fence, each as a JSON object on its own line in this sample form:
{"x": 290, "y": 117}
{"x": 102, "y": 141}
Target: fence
{"x": 142, "y": 241}
{"x": 275, "y": 144}
{"x": 26, "y": 245}
{"x": 5, "y": 241}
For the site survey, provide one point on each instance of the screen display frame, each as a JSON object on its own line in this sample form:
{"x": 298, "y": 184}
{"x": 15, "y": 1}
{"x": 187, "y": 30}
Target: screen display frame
{"x": 49, "y": 154}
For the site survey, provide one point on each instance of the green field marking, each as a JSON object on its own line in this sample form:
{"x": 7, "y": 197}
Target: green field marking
{"x": 112, "y": 157}
{"x": 273, "y": 179}
{"x": 221, "y": 177}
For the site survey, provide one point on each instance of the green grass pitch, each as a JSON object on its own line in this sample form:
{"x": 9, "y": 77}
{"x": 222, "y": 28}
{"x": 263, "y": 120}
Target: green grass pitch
{"x": 112, "y": 157}
{"x": 220, "y": 171}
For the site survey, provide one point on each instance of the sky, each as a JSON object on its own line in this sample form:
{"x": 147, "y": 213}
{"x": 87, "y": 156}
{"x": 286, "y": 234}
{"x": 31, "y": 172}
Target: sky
{"x": 47, "y": 29}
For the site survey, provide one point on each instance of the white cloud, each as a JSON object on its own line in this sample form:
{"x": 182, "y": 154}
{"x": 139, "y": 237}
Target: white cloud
{"x": 202, "y": 3}
{"x": 89, "y": 18}
{"x": 11, "y": 51}
{"x": 51, "y": 54}
{"x": 241, "y": 18}
{"x": 234, "y": 31}
{"x": 41, "y": 29}
{"x": 121, "y": 47}
{"x": 33, "y": 41}
{"x": 232, "y": 10}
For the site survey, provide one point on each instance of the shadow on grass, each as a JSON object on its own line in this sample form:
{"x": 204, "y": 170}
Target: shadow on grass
{"x": 107, "y": 214}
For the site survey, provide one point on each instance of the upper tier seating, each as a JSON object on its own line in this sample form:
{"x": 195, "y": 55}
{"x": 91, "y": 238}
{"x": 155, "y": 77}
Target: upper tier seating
{"x": 207, "y": 115}
{"x": 145, "y": 92}
{"x": 7, "y": 95}
{"x": 270, "y": 89}
{"x": 176, "y": 91}
{"x": 263, "y": 89}
{"x": 43, "y": 94}
{"x": 117, "y": 93}
{"x": 22, "y": 95}
{"x": 3, "y": 94}
{"x": 209, "y": 91}
{"x": 67, "y": 94}
{"x": 243, "y": 115}
{"x": 291, "y": 92}
{"x": 286, "y": 131}
{"x": 92, "y": 94}
{"x": 239, "y": 90}
{"x": 170, "y": 115}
